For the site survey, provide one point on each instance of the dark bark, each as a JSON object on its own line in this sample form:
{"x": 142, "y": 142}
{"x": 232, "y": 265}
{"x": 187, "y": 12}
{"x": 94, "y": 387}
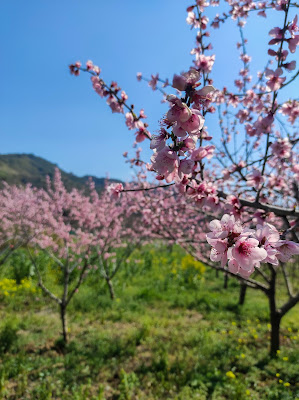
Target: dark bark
{"x": 63, "y": 321}
{"x": 275, "y": 315}
{"x": 111, "y": 289}
{"x": 243, "y": 289}
{"x": 275, "y": 319}
{"x": 225, "y": 280}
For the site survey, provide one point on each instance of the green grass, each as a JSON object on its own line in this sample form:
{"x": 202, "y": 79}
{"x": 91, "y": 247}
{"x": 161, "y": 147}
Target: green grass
{"x": 172, "y": 332}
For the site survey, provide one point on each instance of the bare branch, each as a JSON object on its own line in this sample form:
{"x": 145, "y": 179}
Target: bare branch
{"x": 80, "y": 280}
{"x": 286, "y": 279}
{"x": 262, "y": 274}
{"x": 40, "y": 281}
{"x": 289, "y": 304}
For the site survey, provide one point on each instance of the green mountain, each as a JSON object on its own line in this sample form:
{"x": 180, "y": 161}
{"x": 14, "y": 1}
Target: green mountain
{"x": 20, "y": 169}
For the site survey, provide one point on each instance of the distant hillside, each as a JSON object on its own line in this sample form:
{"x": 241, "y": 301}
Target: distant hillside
{"x": 27, "y": 168}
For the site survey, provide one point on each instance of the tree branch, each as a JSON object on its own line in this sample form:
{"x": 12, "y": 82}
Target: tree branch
{"x": 40, "y": 281}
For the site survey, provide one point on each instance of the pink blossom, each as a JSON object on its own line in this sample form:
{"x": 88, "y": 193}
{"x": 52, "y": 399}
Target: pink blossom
{"x": 219, "y": 252}
{"x": 97, "y": 85}
{"x": 192, "y": 20}
{"x": 189, "y": 143}
{"x": 202, "y": 152}
{"x": 115, "y": 190}
{"x": 262, "y": 125}
{"x": 255, "y": 179}
{"x": 89, "y": 65}
{"x": 293, "y": 43}
{"x": 185, "y": 168}
{"x": 165, "y": 162}
{"x": 142, "y": 114}
{"x": 242, "y": 115}
{"x": 114, "y": 105}
{"x": 290, "y": 66}
{"x": 97, "y": 69}
{"x": 194, "y": 123}
{"x": 262, "y": 13}
{"x": 234, "y": 268}
{"x": 124, "y": 96}
{"x": 142, "y": 132}
{"x": 245, "y": 58}
{"x": 130, "y": 121}
{"x": 153, "y": 82}
{"x": 75, "y": 68}
{"x": 247, "y": 253}
{"x": 158, "y": 141}
{"x": 274, "y": 83}
{"x": 189, "y": 78}
{"x": 179, "y": 112}
{"x": 277, "y": 33}
{"x": 204, "y": 63}
{"x": 282, "y": 148}
{"x": 227, "y": 227}
{"x": 204, "y": 95}
{"x": 201, "y": 4}
{"x": 286, "y": 249}
{"x": 293, "y": 27}
{"x": 291, "y": 109}
{"x": 268, "y": 236}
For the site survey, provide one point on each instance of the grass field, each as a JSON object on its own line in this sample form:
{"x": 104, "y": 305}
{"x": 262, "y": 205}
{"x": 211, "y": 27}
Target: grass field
{"x": 172, "y": 332}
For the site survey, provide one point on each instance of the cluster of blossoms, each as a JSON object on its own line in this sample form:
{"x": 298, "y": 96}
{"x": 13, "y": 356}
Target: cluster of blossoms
{"x": 244, "y": 249}
{"x": 116, "y": 99}
{"x": 239, "y": 10}
{"x": 180, "y": 153}
{"x": 175, "y": 153}
{"x": 249, "y": 174}
{"x": 275, "y": 81}
{"x": 257, "y": 176}
{"x": 177, "y": 156}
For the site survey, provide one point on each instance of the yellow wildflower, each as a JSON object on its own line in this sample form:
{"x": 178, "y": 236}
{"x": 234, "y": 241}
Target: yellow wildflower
{"x": 230, "y": 374}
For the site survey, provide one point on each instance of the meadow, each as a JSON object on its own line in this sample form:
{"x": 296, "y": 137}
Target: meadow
{"x": 172, "y": 332}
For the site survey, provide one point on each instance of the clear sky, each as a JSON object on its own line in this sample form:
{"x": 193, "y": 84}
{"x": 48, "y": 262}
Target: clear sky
{"x": 48, "y": 112}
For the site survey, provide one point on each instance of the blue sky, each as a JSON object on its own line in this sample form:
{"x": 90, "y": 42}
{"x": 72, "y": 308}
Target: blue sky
{"x": 48, "y": 112}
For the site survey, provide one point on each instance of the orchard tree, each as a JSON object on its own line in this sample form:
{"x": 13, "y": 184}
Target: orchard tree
{"x": 115, "y": 227}
{"x": 63, "y": 238}
{"x": 243, "y": 182}
{"x": 79, "y": 232}
{"x": 22, "y": 217}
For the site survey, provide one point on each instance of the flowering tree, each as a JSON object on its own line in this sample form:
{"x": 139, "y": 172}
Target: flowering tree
{"x": 21, "y": 214}
{"x": 63, "y": 238}
{"x": 247, "y": 176}
{"x": 78, "y": 232}
{"x": 115, "y": 232}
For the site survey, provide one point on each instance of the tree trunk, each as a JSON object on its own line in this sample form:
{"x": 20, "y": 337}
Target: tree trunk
{"x": 63, "y": 321}
{"x": 275, "y": 316}
{"x": 275, "y": 329}
{"x": 111, "y": 290}
{"x": 225, "y": 280}
{"x": 243, "y": 289}
{"x": 217, "y": 273}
